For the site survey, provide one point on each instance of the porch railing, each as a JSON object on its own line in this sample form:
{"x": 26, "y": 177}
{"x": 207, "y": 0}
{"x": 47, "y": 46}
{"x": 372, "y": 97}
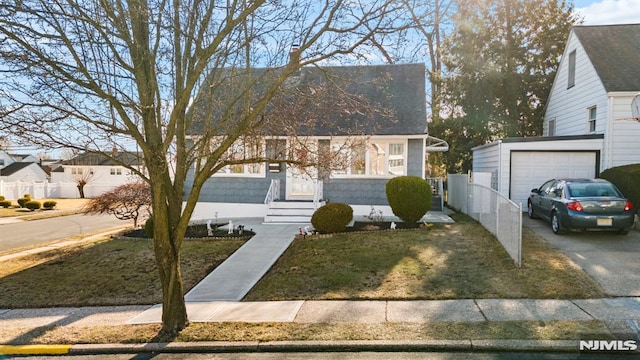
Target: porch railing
{"x": 273, "y": 193}
{"x": 318, "y": 193}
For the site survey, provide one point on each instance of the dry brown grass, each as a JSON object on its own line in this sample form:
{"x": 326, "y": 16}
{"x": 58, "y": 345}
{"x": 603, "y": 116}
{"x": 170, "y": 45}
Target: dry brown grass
{"x": 532, "y": 330}
{"x": 63, "y": 207}
{"x": 444, "y": 261}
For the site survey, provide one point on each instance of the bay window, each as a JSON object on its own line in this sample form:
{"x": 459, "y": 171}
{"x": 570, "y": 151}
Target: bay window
{"x": 376, "y": 158}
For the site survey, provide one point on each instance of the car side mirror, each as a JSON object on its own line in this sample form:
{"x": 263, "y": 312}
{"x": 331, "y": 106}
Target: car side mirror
{"x": 536, "y": 191}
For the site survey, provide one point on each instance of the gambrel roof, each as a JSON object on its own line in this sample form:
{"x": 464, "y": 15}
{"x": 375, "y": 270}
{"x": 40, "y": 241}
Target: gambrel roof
{"x": 614, "y": 51}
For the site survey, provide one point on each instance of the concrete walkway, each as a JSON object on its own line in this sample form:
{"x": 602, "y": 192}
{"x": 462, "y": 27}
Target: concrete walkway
{"x": 233, "y": 279}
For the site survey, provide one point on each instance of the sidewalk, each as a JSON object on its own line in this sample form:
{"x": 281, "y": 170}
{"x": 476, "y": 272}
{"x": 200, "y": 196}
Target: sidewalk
{"x": 217, "y": 299}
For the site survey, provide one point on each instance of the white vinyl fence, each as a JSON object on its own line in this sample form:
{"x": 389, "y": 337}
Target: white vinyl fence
{"x": 499, "y": 215}
{"x": 44, "y": 190}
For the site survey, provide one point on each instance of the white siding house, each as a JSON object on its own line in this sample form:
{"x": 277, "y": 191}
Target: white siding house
{"x": 587, "y": 126}
{"x": 594, "y": 97}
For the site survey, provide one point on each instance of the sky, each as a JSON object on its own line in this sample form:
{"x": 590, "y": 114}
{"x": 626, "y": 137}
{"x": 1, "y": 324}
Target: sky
{"x": 603, "y": 12}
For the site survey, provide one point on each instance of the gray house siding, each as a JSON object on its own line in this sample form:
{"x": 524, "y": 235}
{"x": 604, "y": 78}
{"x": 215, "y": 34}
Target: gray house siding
{"x": 240, "y": 189}
{"x": 350, "y": 191}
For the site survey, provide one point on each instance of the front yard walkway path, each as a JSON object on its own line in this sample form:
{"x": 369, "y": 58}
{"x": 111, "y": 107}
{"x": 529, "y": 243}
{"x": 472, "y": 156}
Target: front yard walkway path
{"x": 233, "y": 279}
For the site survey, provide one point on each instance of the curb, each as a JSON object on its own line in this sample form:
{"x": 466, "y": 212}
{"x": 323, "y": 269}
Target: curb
{"x": 298, "y": 346}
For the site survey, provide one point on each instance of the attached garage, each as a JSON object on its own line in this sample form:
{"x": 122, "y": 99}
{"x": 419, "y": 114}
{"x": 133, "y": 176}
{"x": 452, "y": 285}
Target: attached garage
{"x": 519, "y": 164}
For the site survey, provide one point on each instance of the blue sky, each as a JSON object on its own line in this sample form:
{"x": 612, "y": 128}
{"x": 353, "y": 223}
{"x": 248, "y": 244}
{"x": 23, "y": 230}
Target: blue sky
{"x": 601, "y": 12}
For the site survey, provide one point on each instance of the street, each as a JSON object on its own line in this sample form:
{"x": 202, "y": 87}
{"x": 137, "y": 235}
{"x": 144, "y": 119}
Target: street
{"x": 35, "y": 232}
{"x": 355, "y": 356}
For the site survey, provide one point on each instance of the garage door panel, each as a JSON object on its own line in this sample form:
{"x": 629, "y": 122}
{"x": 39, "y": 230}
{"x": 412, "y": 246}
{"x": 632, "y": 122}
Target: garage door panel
{"x": 529, "y": 169}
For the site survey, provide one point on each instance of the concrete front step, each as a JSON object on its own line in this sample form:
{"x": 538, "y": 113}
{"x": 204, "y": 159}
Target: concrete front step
{"x": 290, "y": 212}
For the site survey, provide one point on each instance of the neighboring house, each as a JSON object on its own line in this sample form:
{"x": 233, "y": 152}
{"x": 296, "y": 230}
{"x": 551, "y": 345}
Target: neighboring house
{"x": 394, "y": 142}
{"x": 15, "y": 167}
{"x": 587, "y": 125}
{"x": 99, "y": 172}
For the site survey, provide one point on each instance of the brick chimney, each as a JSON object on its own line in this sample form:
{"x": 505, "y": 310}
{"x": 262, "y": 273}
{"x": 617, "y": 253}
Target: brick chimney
{"x": 294, "y": 54}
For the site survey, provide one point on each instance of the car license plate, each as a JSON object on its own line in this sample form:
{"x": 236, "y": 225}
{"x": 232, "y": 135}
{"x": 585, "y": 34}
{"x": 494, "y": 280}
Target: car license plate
{"x": 604, "y": 221}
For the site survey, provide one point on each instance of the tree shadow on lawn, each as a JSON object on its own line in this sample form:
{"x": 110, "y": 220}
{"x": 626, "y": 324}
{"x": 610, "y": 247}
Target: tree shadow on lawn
{"x": 112, "y": 272}
{"x": 444, "y": 261}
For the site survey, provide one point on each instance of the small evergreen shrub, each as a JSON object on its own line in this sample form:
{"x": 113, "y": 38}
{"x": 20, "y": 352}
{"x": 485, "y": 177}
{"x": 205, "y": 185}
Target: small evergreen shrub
{"x": 22, "y": 201}
{"x": 625, "y": 178}
{"x": 49, "y": 205}
{"x": 5, "y": 204}
{"x": 1, "y": 198}
{"x": 332, "y": 218}
{"x": 33, "y": 205}
{"x": 409, "y": 197}
{"x": 148, "y": 227}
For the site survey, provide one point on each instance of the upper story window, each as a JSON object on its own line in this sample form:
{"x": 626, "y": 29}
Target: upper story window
{"x": 592, "y": 119}
{"x": 552, "y": 128}
{"x": 115, "y": 171}
{"x": 81, "y": 171}
{"x": 572, "y": 70}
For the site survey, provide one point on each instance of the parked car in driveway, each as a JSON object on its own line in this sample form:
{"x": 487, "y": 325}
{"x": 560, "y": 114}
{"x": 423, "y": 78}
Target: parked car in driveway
{"x": 581, "y": 204}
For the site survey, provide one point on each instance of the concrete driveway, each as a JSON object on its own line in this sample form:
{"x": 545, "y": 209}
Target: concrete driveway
{"x": 611, "y": 259}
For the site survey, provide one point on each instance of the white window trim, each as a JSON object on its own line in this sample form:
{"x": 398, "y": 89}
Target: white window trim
{"x": 245, "y": 173}
{"x": 387, "y": 141}
{"x": 593, "y": 120}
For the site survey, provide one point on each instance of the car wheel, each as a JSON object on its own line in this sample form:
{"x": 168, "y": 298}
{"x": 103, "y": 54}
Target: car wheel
{"x": 556, "y": 226}
{"x": 530, "y": 212}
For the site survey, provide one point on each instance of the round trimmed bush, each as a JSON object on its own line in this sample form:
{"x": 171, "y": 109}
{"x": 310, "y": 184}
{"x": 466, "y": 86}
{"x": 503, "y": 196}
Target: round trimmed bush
{"x": 1, "y": 198}
{"x": 409, "y": 197}
{"x": 33, "y": 205}
{"x": 148, "y": 227}
{"x": 5, "y": 204}
{"x": 22, "y": 201}
{"x": 332, "y": 218}
{"x": 49, "y": 204}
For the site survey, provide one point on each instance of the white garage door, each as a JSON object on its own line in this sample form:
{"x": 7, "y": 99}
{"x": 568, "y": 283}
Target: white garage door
{"x": 529, "y": 169}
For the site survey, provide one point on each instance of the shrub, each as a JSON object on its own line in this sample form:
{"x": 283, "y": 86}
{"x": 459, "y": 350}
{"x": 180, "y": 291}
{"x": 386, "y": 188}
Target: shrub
{"x": 625, "y": 178}
{"x": 1, "y": 198}
{"x": 5, "y": 204}
{"x": 148, "y": 227}
{"x": 33, "y": 205}
{"x": 409, "y": 197}
{"x": 22, "y": 201}
{"x": 332, "y": 218}
{"x": 49, "y": 204}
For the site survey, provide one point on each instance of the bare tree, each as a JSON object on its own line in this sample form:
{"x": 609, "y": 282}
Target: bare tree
{"x": 125, "y": 202}
{"x": 91, "y": 75}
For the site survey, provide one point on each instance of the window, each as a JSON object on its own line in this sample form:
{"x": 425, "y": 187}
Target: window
{"x": 276, "y": 149}
{"x": 592, "y": 119}
{"x": 377, "y": 158}
{"x": 552, "y": 128}
{"x": 76, "y": 171}
{"x": 242, "y": 150}
{"x": 572, "y": 70}
{"x": 115, "y": 171}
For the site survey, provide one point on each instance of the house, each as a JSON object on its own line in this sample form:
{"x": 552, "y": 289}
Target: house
{"x": 18, "y": 167}
{"x": 390, "y": 140}
{"x": 99, "y": 172}
{"x": 588, "y": 125}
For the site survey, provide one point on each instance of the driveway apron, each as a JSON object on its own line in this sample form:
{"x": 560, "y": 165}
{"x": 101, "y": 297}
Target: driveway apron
{"x": 613, "y": 260}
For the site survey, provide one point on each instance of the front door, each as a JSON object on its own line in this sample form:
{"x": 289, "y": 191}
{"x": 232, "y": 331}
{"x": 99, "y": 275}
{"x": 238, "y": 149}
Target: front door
{"x": 301, "y": 183}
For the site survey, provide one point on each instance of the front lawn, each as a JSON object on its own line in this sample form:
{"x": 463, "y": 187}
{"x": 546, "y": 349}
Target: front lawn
{"x": 106, "y": 272}
{"x": 443, "y": 261}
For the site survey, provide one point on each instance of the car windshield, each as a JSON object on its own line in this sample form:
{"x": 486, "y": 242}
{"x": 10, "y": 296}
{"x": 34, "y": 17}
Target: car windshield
{"x": 592, "y": 190}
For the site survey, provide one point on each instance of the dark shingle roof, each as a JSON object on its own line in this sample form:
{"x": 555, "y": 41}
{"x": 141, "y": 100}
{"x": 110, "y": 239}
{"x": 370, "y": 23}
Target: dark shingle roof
{"x": 91, "y": 159}
{"x": 14, "y": 168}
{"x": 392, "y": 96}
{"x": 614, "y": 51}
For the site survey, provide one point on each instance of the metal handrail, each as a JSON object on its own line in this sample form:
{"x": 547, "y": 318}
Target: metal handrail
{"x": 273, "y": 193}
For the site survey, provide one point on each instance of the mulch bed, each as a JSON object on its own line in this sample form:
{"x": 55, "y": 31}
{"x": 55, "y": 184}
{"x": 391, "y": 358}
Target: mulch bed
{"x": 199, "y": 231}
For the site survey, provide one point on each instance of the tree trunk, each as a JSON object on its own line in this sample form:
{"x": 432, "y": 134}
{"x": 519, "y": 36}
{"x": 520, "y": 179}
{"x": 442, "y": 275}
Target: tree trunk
{"x": 167, "y": 243}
